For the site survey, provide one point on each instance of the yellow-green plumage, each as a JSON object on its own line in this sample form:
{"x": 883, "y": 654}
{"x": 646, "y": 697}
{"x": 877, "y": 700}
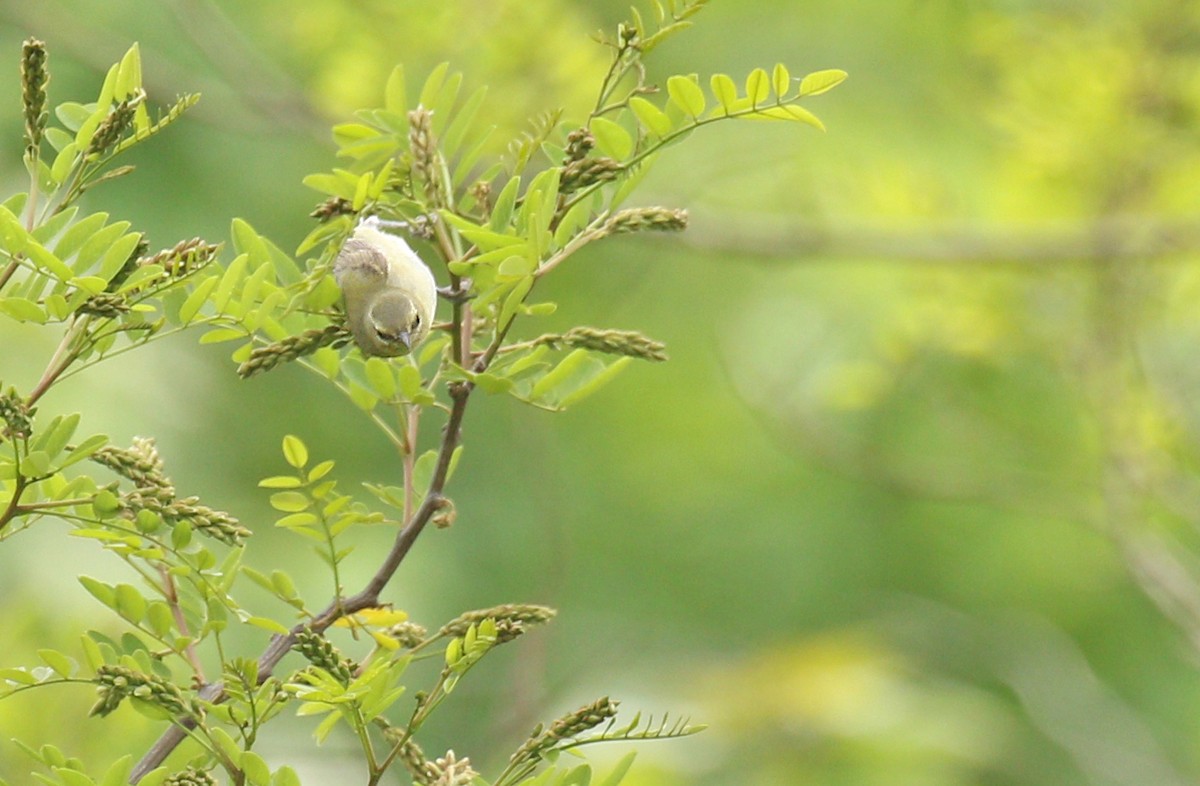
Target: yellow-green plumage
{"x": 390, "y": 294}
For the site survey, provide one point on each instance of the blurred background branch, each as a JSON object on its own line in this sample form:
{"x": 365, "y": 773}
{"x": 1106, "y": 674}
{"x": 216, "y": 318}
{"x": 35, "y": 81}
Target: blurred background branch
{"x": 1045, "y": 245}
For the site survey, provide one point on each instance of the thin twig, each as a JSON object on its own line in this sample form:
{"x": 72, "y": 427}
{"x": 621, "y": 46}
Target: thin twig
{"x": 14, "y": 504}
{"x": 172, "y": 597}
{"x": 63, "y": 357}
{"x": 410, "y": 458}
{"x": 8, "y": 272}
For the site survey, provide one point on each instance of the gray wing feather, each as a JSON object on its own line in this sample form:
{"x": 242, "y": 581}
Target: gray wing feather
{"x": 361, "y": 260}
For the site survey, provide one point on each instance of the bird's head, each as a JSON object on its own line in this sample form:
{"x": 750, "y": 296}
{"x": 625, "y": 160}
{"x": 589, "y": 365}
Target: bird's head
{"x": 393, "y": 326}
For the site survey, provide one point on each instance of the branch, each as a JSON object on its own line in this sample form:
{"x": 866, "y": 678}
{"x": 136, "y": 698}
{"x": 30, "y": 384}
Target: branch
{"x": 14, "y": 505}
{"x": 1113, "y": 237}
{"x": 367, "y": 597}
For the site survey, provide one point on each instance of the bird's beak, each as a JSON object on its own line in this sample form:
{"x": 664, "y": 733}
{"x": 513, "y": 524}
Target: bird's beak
{"x": 405, "y": 338}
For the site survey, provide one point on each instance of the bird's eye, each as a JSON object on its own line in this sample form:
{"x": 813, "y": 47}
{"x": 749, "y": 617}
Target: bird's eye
{"x": 416, "y": 321}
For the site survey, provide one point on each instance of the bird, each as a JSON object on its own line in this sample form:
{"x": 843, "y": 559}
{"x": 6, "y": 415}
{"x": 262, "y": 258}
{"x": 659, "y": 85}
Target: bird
{"x": 389, "y": 294}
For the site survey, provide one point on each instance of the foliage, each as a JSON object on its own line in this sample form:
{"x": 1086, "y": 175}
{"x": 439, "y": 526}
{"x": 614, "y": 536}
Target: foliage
{"x": 498, "y": 229}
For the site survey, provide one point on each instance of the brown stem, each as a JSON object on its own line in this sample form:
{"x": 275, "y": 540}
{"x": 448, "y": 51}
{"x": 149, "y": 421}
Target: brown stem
{"x": 62, "y": 359}
{"x": 409, "y": 459}
{"x": 172, "y": 597}
{"x": 367, "y": 597}
{"x": 14, "y": 504}
{"x": 446, "y": 247}
{"x": 8, "y": 272}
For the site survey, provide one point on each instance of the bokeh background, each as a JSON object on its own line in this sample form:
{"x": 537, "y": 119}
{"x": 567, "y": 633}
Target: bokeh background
{"x": 914, "y": 502}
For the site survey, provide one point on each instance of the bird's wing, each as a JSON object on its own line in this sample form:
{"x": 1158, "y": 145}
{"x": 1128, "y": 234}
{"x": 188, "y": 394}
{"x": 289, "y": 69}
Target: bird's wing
{"x": 359, "y": 261}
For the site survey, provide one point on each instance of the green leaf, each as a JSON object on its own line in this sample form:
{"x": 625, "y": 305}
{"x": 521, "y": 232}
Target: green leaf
{"x": 724, "y": 90}
{"x": 486, "y": 239}
{"x": 105, "y": 503}
{"x": 758, "y": 87}
{"x": 379, "y": 374}
{"x": 821, "y": 81}
{"x": 788, "y": 112}
{"x": 514, "y": 299}
{"x": 13, "y": 237}
{"x": 433, "y": 85}
{"x": 160, "y": 618}
{"x": 612, "y": 139}
{"x": 290, "y": 501}
{"x": 19, "y": 676}
{"x": 129, "y": 603}
{"x": 618, "y": 772}
{"x": 361, "y": 397}
{"x": 325, "y": 727}
{"x": 129, "y": 75}
{"x": 442, "y": 107}
{"x": 456, "y": 133}
{"x": 577, "y": 776}
{"x": 686, "y": 94}
{"x": 79, "y": 233}
{"x": 221, "y": 335}
{"x": 650, "y": 116}
{"x": 560, "y": 374}
{"x": 320, "y": 470}
{"x": 285, "y": 776}
{"x": 490, "y": 383}
{"x": 294, "y": 451}
{"x": 256, "y": 769}
{"x": 95, "y": 247}
{"x": 22, "y": 310}
{"x": 71, "y": 777}
{"x": 155, "y": 777}
{"x": 359, "y": 200}
{"x": 246, "y": 240}
{"x": 781, "y": 80}
{"x": 258, "y": 578}
{"x": 395, "y": 96}
{"x": 225, "y": 743}
{"x": 195, "y": 301}
{"x": 84, "y": 449}
{"x": 594, "y": 382}
{"x": 36, "y": 464}
{"x": 91, "y": 652}
{"x": 466, "y": 162}
{"x": 118, "y": 773}
{"x": 331, "y": 184}
{"x": 235, "y": 274}
{"x": 503, "y": 208}
{"x": 515, "y": 267}
{"x": 48, "y": 262}
{"x": 280, "y": 482}
{"x": 89, "y": 285}
{"x": 61, "y": 664}
{"x": 579, "y": 374}
{"x": 116, "y": 255}
{"x": 56, "y": 306}
{"x": 294, "y": 520}
{"x": 64, "y": 162}
{"x": 282, "y": 584}
{"x": 410, "y": 382}
{"x": 181, "y": 534}
{"x": 58, "y": 435}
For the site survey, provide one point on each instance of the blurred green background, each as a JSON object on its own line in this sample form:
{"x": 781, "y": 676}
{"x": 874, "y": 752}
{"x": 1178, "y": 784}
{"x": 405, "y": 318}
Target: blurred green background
{"x": 914, "y": 502}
